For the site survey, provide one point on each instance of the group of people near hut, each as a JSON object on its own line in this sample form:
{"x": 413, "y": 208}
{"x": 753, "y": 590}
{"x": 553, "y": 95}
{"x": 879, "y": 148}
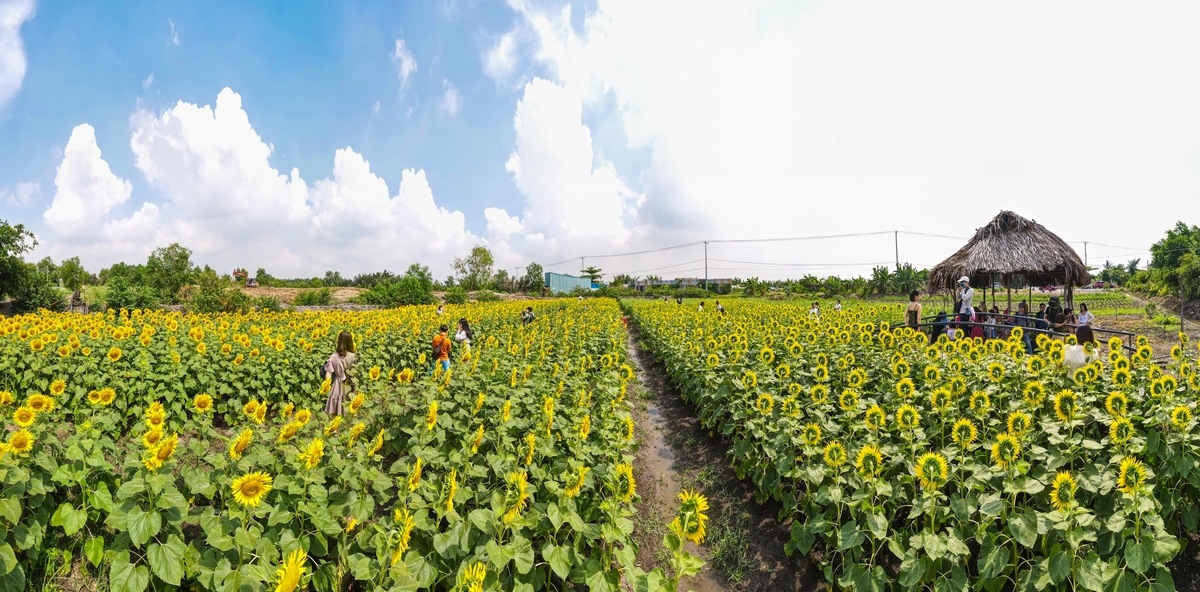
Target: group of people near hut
{"x": 968, "y": 322}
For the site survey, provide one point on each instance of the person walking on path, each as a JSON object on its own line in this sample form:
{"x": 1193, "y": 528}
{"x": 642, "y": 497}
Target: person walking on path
{"x": 337, "y": 368}
{"x": 441, "y": 348}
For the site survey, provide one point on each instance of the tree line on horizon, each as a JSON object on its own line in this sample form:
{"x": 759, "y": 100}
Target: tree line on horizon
{"x": 169, "y": 276}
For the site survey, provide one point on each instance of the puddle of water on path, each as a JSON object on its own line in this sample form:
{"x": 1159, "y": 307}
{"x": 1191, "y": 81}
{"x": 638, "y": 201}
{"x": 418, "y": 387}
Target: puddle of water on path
{"x": 659, "y": 462}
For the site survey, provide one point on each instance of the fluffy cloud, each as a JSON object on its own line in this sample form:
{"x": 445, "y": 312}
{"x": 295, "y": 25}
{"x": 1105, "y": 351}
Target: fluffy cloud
{"x": 12, "y": 51}
{"x": 404, "y": 62}
{"x": 567, "y": 196}
{"x": 226, "y": 202}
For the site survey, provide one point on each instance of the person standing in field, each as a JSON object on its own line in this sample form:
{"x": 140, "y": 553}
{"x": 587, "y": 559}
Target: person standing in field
{"x": 441, "y": 348}
{"x": 701, "y": 307}
{"x": 1085, "y": 316}
{"x": 337, "y": 368}
{"x": 912, "y": 314}
{"x": 837, "y": 307}
{"x": 966, "y": 294}
{"x": 464, "y": 334}
{"x": 720, "y": 309}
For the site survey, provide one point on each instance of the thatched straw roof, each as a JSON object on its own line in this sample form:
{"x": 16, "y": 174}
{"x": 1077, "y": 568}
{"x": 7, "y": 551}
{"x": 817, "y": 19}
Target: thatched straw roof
{"x": 1011, "y": 249}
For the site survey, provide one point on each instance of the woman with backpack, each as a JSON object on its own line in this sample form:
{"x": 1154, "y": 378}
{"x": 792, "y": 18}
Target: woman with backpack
{"x": 441, "y": 348}
{"x": 337, "y": 369}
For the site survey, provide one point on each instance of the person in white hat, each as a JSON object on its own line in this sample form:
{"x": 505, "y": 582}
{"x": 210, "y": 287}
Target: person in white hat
{"x": 966, "y": 294}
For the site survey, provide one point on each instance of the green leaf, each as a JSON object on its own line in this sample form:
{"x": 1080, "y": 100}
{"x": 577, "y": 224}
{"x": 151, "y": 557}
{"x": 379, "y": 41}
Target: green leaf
{"x": 849, "y": 536}
{"x": 8, "y": 558}
{"x": 1060, "y": 565}
{"x": 1138, "y": 555}
{"x": 94, "y": 550}
{"x": 1116, "y": 522}
{"x": 130, "y": 488}
{"x": 498, "y": 555}
{"x": 142, "y": 525}
{"x": 993, "y": 559}
{"x": 1165, "y": 547}
{"x": 126, "y": 577}
{"x": 598, "y": 579}
{"x": 878, "y": 525}
{"x": 13, "y": 581}
{"x": 1023, "y": 527}
{"x": 559, "y": 558}
{"x": 522, "y": 554}
{"x": 555, "y": 515}
{"x": 992, "y": 507}
{"x": 166, "y": 561}
{"x": 10, "y": 509}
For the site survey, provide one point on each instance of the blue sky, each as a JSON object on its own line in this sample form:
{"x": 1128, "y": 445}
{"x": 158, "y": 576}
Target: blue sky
{"x": 308, "y": 136}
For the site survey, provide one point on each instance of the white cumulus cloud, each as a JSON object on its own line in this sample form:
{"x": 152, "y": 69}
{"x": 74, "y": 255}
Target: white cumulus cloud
{"x": 225, "y": 200}
{"x": 24, "y": 193}
{"x": 13, "y": 13}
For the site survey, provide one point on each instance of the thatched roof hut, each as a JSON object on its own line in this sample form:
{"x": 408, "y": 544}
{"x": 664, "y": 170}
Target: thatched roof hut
{"x": 1014, "y": 251}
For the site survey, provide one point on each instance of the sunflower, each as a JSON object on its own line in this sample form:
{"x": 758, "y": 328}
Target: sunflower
{"x": 941, "y": 399}
{"x": 765, "y": 404}
{"x": 964, "y": 432}
{"x": 690, "y": 523}
{"x": 37, "y": 345}
{"x": 932, "y": 373}
{"x": 530, "y": 447}
{"x": 856, "y": 378}
{"x": 1006, "y": 450}
{"x": 819, "y": 394}
{"x": 249, "y": 408}
{"x": 1035, "y": 364}
{"x": 1131, "y": 475}
{"x": 820, "y": 373}
{"x": 1034, "y": 393}
{"x": 1065, "y": 405}
{"x": 1181, "y": 417}
{"x": 313, "y": 453}
{"x": 39, "y": 403}
{"x": 995, "y": 372}
{"x": 980, "y": 403}
{"x": 577, "y": 485}
{"x": 404, "y": 519}
{"x": 239, "y": 445}
{"x": 848, "y": 400}
{"x": 24, "y": 416}
{"x": 834, "y": 455}
{"x": 155, "y": 418}
{"x": 749, "y": 379}
{"x": 1121, "y": 377}
{"x": 869, "y": 461}
{"x": 414, "y": 477}
{"x": 516, "y": 495}
{"x": 107, "y": 395}
{"x": 20, "y": 441}
{"x": 626, "y": 486}
{"x": 875, "y": 418}
{"x": 712, "y": 360}
{"x": 1080, "y": 376}
{"x": 58, "y": 387}
{"x": 152, "y": 437}
{"x": 451, "y": 491}
{"x": 288, "y": 431}
{"x": 260, "y": 414}
{"x": 250, "y": 489}
{"x": 355, "y": 431}
{"x": 1121, "y": 430}
{"x": 1062, "y": 492}
{"x": 333, "y": 425}
{"x": 811, "y": 434}
{"x": 114, "y": 354}
{"x": 202, "y": 403}
{"x": 907, "y": 417}
{"x": 766, "y": 355}
{"x": 302, "y": 416}
{"x": 6, "y": 398}
{"x": 506, "y": 412}
{"x": 471, "y": 578}
{"x": 905, "y": 388}
{"x": 1117, "y": 404}
{"x": 932, "y": 469}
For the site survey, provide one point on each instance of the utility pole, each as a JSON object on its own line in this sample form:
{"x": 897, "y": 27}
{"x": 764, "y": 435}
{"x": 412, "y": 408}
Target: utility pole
{"x": 705, "y": 266}
{"x": 897, "y": 237}
{"x": 1085, "y": 254}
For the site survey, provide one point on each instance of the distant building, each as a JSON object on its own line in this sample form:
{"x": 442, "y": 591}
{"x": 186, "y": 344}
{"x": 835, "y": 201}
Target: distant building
{"x": 558, "y": 283}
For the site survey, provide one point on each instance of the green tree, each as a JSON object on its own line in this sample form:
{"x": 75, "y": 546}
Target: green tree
{"x": 168, "y": 269}
{"x": 47, "y": 269}
{"x": 1176, "y": 258}
{"x": 880, "y": 281}
{"x": 15, "y": 241}
{"x": 422, "y": 275}
{"x": 907, "y": 278}
{"x": 592, "y": 273}
{"x": 72, "y": 273}
{"x": 535, "y": 278}
{"x": 38, "y": 290}
{"x": 475, "y": 271}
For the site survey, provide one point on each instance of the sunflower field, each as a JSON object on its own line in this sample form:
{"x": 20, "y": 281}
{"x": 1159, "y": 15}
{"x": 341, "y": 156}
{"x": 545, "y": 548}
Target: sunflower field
{"x": 905, "y": 465}
{"x": 159, "y": 450}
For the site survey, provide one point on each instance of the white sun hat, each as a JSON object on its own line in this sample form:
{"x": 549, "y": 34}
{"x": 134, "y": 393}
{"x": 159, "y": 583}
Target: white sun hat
{"x": 964, "y": 279}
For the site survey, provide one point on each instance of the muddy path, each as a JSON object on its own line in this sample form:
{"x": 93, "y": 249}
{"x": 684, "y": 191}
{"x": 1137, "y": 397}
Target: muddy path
{"x": 743, "y": 548}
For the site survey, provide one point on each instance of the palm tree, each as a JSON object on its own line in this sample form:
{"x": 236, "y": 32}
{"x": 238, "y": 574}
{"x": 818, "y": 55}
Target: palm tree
{"x": 880, "y": 282}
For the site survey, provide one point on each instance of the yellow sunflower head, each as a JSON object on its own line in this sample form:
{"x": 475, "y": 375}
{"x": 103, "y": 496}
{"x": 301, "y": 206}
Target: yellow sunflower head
{"x": 1131, "y": 475}
{"x": 869, "y": 461}
{"x": 1006, "y": 450}
{"x": 1062, "y": 492}
{"x": 931, "y": 469}
{"x": 964, "y": 432}
{"x": 834, "y": 455}
{"x": 250, "y": 489}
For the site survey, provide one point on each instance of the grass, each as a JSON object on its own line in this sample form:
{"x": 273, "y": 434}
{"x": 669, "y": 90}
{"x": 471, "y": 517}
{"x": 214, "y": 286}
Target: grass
{"x": 728, "y": 526}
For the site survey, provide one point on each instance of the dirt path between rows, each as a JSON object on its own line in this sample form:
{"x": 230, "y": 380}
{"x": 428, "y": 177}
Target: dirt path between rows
{"x": 743, "y": 548}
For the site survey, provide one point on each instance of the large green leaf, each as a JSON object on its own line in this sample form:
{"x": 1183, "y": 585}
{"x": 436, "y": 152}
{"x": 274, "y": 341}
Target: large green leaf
{"x": 166, "y": 561}
{"x": 124, "y": 576}
{"x": 142, "y": 525}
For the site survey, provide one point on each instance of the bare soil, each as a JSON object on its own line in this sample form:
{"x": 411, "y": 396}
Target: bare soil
{"x": 744, "y": 547}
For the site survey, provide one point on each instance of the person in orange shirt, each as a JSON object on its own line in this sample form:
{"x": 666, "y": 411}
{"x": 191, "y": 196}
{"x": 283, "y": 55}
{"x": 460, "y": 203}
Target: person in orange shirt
{"x": 441, "y": 347}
